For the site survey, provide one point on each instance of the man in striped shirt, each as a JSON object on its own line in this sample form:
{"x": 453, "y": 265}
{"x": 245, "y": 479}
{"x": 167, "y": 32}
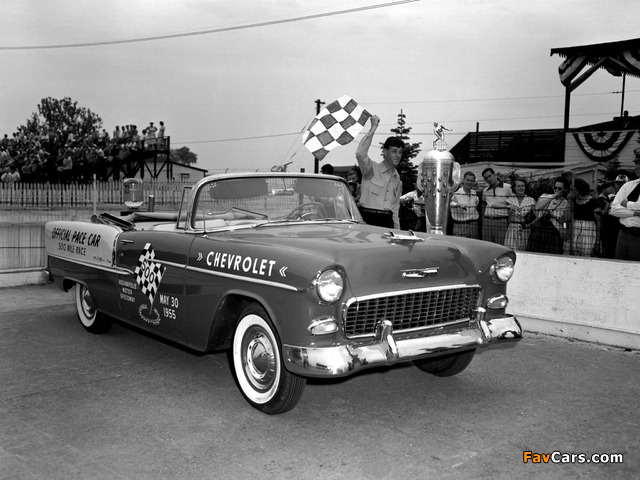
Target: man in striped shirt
{"x": 496, "y": 212}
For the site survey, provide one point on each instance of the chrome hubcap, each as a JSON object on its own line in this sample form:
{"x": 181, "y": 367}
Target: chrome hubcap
{"x": 87, "y": 303}
{"x": 259, "y": 361}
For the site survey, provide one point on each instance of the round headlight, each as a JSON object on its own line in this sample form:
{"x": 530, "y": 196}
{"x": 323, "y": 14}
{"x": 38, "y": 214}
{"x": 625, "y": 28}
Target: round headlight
{"x": 502, "y": 270}
{"x": 329, "y": 285}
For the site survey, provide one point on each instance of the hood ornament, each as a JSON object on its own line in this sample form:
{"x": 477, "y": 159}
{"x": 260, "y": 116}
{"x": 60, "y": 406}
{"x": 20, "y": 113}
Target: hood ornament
{"x": 420, "y": 272}
{"x": 412, "y": 237}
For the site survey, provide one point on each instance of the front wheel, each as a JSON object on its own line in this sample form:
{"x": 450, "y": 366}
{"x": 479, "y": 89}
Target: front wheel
{"x": 92, "y": 320}
{"x": 257, "y": 362}
{"x": 446, "y": 365}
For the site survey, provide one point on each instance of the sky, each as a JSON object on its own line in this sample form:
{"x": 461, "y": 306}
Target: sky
{"x": 237, "y": 81}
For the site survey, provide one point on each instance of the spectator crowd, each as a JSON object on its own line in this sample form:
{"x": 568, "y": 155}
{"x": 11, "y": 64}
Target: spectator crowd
{"x": 566, "y": 218}
{"x": 74, "y": 154}
{"x": 571, "y": 219}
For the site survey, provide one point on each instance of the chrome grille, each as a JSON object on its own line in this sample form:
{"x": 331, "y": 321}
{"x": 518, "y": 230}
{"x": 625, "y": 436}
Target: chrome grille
{"x": 411, "y": 310}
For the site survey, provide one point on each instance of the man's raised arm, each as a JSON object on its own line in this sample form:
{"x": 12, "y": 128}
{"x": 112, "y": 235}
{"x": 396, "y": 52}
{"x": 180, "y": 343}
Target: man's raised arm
{"x": 365, "y": 143}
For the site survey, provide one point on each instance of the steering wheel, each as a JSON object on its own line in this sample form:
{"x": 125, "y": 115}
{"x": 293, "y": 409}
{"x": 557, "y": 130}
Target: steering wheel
{"x": 296, "y": 213}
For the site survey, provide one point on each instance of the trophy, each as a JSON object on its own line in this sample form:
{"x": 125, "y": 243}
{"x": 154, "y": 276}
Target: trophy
{"x": 439, "y": 178}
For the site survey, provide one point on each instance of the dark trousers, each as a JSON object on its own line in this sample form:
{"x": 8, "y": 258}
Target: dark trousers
{"x": 380, "y": 218}
{"x": 628, "y": 247}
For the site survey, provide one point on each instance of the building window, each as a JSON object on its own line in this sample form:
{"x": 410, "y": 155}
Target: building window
{"x": 184, "y": 177}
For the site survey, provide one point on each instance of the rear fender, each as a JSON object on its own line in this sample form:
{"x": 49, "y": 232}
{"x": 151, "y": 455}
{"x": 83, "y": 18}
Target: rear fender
{"x": 82, "y": 242}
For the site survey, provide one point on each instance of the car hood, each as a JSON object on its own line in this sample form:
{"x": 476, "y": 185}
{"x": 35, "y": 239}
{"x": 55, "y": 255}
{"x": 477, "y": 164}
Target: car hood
{"x": 371, "y": 259}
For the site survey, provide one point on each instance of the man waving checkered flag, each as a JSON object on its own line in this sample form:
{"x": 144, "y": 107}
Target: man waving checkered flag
{"x": 337, "y": 124}
{"x": 149, "y": 273}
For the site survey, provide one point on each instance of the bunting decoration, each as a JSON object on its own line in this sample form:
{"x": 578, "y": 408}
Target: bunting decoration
{"x": 631, "y": 59}
{"x": 337, "y": 124}
{"x": 570, "y": 68}
{"x": 602, "y": 146}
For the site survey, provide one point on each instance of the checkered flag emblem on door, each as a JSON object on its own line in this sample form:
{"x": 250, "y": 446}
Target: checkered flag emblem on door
{"x": 149, "y": 273}
{"x": 337, "y": 124}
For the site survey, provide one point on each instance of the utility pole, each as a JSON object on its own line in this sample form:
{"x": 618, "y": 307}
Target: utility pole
{"x": 624, "y": 78}
{"x": 316, "y": 164}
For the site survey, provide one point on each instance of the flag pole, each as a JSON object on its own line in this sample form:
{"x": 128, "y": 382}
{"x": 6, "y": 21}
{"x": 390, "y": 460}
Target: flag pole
{"x": 316, "y": 162}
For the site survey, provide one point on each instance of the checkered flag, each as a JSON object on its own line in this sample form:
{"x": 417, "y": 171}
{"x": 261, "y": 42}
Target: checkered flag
{"x": 149, "y": 273}
{"x": 337, "y": 124}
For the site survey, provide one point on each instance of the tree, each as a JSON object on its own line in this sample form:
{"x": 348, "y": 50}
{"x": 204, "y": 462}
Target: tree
{"x": 183, "y": 155}
{"x": 62, "y": 117}
{"x": 58, "y": 125}
{"x": 408, "y": 172}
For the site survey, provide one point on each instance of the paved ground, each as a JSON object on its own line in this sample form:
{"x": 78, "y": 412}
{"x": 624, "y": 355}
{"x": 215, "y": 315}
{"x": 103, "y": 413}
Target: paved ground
{"x": 127, "y": 406}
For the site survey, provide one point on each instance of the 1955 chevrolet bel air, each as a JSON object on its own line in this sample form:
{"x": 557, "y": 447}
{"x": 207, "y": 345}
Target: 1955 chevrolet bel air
{"x": 280, "y": 269}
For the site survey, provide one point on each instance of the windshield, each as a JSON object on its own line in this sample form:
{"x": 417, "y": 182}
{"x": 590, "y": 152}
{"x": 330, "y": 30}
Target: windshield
{"x": 262, "y": 200}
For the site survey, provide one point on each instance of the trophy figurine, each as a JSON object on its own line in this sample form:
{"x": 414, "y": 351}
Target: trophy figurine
{"x": 439, "y": 177}
{"x": 438, "y": 131}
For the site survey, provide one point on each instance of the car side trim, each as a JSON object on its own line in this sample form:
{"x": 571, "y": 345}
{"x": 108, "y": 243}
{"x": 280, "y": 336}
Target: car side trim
{"x": 244, "y": 279}
{"x": 106, "y": 268}
{"x": 126, "y": 271}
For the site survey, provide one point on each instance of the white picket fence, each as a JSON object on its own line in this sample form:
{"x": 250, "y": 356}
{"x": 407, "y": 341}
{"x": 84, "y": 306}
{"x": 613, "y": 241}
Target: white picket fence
{"x": 62, "y": 196}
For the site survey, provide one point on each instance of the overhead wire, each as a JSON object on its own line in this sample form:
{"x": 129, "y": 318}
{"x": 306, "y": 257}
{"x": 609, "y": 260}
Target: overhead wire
{"x": 261, "y": 137}
{"x": 208, "y": 31}
{"x": 291, "y": 20}
{"x": 469, "y": 100}
{"x": 426, "y": 123}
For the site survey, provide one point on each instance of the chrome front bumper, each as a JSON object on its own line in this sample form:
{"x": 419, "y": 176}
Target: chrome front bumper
{"x": 384, "y": 349}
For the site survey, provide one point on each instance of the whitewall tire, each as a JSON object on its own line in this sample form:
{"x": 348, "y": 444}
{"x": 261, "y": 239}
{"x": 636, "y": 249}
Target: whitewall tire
{"x": 92, "y": 320}
{"x": 257, "y": 363}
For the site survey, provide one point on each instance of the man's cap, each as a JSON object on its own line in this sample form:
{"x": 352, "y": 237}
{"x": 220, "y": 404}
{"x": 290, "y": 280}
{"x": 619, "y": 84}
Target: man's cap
{"x": 621, "y": 179}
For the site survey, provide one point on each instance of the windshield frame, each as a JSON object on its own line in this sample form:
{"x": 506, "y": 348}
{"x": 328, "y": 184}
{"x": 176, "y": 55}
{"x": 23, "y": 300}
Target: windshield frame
{"x": 231, "y": 202}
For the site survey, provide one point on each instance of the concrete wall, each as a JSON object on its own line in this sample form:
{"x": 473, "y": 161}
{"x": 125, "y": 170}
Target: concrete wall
{"x": 21, "y": 277}
{"x": 584, "y": 298}
{"x": 21, "y": 246}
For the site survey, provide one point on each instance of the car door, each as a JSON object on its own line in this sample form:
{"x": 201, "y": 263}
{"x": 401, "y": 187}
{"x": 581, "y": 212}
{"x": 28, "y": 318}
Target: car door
{"x": 152, "y": 294}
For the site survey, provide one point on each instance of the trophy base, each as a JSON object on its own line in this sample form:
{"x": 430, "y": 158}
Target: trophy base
{"x": 440, "y": 145}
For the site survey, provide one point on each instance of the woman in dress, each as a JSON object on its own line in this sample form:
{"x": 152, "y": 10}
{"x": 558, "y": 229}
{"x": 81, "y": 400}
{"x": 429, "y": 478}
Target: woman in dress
{"x": 521, "y": 207}
{"x": 549, "y": 229}
{"x": 585, "y": 231}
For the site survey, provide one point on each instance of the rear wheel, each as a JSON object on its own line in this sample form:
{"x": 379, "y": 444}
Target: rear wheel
{"x": 257, "y": 362}
{"x": 92, "y": 320}
{"x": 446, "y": 365}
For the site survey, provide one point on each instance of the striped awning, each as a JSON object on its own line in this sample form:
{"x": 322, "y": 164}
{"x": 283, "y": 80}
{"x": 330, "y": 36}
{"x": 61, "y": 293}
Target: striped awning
{"x": 615, "y": 57}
